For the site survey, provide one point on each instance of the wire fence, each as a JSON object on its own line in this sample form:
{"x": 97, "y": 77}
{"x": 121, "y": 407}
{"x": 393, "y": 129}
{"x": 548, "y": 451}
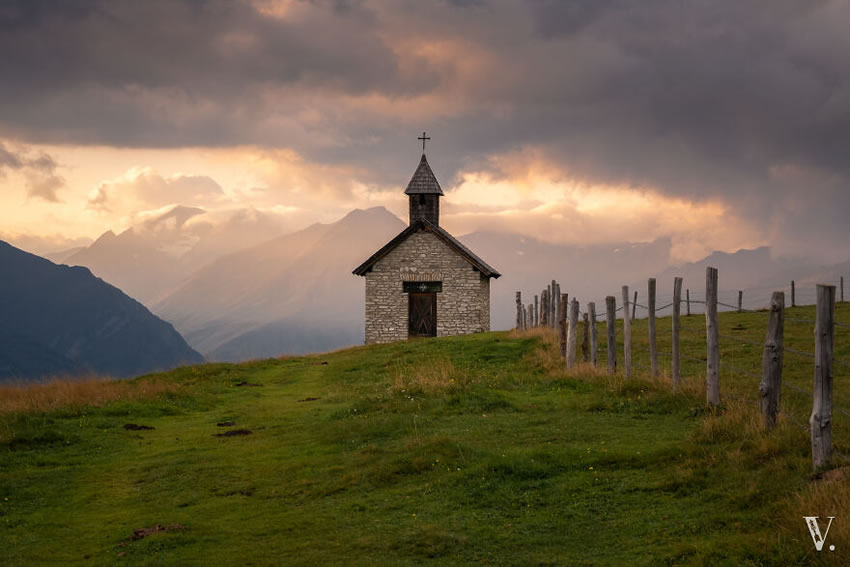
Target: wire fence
{"x": 742, "y": 334}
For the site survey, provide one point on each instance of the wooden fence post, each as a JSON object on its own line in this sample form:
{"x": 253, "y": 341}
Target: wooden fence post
{"x": 712, "y": 370}
{"x": 770, "y": 388}
{"x": 634, "y": 306}
{"x": 536, "y": 311}
{"x": 553, "y": 305}
{"x": 740, "y": 299}
{"x": 653, "y": 347}
{"x": 677, "y": 309}
{"x": 821, "y": 419}
{"x": 562, "y": 324}
{"x": 793, "y": 294}
{"x": 519, "y": 310}
{"x": 611, "y": 328}
{"x": 591, "y": 310}
{"x": 556, "y": 299}
{"x": 556, "y": 308}
{"x": 543, "y": 308}
{"x": 572, "y": 336}
{"x": 558, "y": 304}
{"x": 585, "y": 337}
{"x": 688, "y": 299}
{"x": 627, "y": 334}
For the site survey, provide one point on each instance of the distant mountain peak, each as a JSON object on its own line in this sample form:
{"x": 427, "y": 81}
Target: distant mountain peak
{"x": 371, "y": 211}
{"x": 105, "y": 237}
{"x": 172, "y": 219}
{"x": 370, "y": 215}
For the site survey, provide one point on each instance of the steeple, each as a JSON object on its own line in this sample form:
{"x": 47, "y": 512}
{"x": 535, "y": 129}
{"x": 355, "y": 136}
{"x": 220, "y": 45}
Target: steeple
{"x": 424, "y": 192}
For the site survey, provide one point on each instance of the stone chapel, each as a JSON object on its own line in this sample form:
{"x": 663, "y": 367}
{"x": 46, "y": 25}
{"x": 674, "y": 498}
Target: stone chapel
{"x": 424, "y": 282}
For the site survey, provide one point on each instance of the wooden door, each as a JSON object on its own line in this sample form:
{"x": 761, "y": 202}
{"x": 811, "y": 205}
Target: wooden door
{"x": 422, "y": 315}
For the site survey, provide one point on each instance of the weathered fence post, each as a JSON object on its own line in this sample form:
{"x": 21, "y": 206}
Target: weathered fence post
{"x": 771, "y": 361}
{"x": 585, "y": 337}
{"x": 653, "y": 347}
{"x": 740, "y": 299}
{"x": 821, "y": 419}
{"x": 556, "y": 299}
{"x": 793, "y": 294}
{"x": 536, "y": 311}
{"x": 556, "y": 308}
{"x": 627, "y": 334}
{"x": 591, "y": 310}
{"x": 688, "y": 299}
{"x": 562, "y": 324}
{"x": 572, "y": 337}
{"x": 558, "y": 302}
{"x": 634, "y": 306}
{"x": 611, "y": 328}
{"x": 543, "y": 308}
{"x": 712, "y": 371}
{"x": 553, "y": 305}
{"x": 519, "y": 310}
{"x": 677, "y": 309}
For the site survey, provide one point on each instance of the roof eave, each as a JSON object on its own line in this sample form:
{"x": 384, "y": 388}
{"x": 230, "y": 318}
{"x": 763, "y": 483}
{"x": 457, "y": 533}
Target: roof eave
{"x": 442, "y": 234}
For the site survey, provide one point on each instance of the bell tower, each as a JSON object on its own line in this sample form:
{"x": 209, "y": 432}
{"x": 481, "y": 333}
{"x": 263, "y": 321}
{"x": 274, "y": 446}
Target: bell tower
{"x": 424, "y": 191}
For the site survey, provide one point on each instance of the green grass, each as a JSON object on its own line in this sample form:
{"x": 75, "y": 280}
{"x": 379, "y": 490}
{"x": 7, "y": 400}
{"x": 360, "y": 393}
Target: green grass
{"x": 466, "y": 450}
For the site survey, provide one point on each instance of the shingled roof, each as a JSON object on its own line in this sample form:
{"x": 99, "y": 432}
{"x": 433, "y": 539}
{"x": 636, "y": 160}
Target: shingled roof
{"x": 423, "y": 181}
{"x": 423, "y": 225}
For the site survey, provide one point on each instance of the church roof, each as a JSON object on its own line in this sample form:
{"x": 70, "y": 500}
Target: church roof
{"x": 423, "y": 180}
{"x": 424, "y": 225}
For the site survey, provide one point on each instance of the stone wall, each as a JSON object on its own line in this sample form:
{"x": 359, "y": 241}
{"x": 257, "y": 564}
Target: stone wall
{"x": 462, "y": 307}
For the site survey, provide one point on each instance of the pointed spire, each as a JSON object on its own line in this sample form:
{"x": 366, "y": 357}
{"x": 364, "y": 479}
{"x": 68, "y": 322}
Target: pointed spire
{"x": 423, "y": 181}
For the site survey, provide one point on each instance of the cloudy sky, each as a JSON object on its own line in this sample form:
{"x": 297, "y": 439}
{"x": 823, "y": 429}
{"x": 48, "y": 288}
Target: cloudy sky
{"x": 720, "y": 124}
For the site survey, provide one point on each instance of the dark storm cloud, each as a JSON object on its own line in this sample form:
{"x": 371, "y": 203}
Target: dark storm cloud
{"x": 747, "y": 101}
{"x": 119, "y": 72}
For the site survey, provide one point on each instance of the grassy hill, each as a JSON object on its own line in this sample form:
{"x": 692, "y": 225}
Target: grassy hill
{"x": 470, "y": 450}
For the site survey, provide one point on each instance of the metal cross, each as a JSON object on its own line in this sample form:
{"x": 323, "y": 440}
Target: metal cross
{"x": 423, "y": 137}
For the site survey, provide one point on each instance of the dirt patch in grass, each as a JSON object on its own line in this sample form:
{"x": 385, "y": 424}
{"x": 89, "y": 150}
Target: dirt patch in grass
{"x": 136, "y": 427}
{"x": 141, "y": 533}
{"x": 225, "y": 424}
{"x": 234, "y": 433}
{"x": 247, "y": 384}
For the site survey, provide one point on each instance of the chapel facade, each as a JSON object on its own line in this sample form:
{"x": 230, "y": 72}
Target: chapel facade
{"x": 424, "y": 282}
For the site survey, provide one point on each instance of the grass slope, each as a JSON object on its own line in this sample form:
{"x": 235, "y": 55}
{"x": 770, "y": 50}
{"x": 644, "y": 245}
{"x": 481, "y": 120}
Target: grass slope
{"x": 469, "y": 450}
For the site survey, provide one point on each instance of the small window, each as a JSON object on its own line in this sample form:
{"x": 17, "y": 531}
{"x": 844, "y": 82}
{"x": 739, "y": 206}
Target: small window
{"x": 422, "y": 287}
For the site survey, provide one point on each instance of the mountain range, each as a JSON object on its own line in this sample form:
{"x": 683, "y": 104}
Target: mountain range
{"x": 235, "y": 294}
{"x": 153, "y": 257}
{"x": 291, "y": 294}
{"x": 63, "y": 321}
